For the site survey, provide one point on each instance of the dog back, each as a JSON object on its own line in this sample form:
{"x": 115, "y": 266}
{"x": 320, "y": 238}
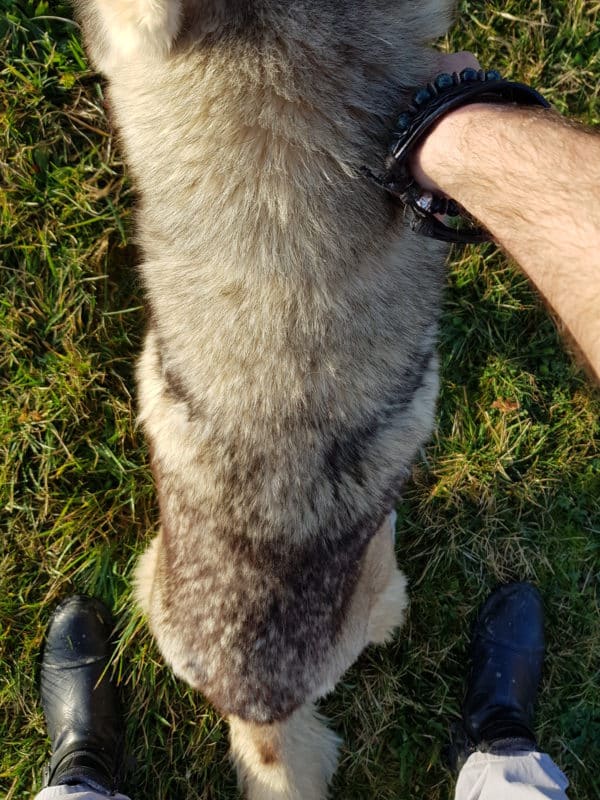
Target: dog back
{"x": 289, "y": 373}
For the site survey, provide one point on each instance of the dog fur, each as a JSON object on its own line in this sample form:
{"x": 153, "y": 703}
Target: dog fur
{"x": 289, "y": 373}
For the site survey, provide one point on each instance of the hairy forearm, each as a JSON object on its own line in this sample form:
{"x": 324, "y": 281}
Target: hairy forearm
{"x": 534, "y": 181}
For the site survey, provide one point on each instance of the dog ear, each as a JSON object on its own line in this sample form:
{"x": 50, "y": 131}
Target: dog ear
{"x": 117, "y": 30}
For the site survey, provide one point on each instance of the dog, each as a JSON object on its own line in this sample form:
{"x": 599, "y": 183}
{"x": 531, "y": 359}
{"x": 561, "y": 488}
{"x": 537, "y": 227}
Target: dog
{"x": 289, "y": 371}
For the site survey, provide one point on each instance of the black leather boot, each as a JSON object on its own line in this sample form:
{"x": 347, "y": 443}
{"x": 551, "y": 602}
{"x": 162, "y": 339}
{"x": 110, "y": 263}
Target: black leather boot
{"x": 507, "y": 655}
{"x": 79, "y": 699}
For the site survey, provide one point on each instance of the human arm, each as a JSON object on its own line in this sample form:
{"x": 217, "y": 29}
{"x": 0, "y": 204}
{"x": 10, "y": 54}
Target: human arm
{"x": 533, "y": 180}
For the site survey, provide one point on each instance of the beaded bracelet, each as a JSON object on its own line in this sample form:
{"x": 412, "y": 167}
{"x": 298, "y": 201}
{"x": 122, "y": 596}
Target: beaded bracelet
{"x": 446, "y": 93}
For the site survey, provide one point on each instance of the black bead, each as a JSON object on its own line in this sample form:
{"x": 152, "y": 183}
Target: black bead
{"x": 443, "y": 81}
{"x": 493, "y": 75}
{"x": 439, "y": 205}
{"x": 468, "y": 75}
{"x": 403, "y": 122}
{"x": 453, "y": 209}
{"x": 421, "y": 97}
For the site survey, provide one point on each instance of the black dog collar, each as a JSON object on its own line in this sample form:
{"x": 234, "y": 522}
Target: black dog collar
{"x": 429, "y": 104}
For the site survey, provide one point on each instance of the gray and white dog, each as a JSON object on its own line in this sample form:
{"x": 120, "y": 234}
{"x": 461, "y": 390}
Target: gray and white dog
{"x": 289, "y": 372}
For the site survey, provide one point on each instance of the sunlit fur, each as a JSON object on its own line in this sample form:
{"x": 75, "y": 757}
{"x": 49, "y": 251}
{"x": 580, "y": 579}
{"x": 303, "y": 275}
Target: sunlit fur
{"x": 289, "y": 373}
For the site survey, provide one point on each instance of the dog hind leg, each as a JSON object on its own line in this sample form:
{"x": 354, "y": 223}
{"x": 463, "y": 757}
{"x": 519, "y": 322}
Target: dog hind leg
{"x": 143, "y": 577}
{"x": 388, "y": 584}
{"x": 387, "y": 613}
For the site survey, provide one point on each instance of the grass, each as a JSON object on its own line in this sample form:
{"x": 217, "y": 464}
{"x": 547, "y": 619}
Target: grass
{"x": 508, "y": 488}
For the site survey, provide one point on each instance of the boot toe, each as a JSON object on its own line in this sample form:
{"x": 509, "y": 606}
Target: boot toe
{"x": 513, "y": 618}
{"x": 80, "y": 632}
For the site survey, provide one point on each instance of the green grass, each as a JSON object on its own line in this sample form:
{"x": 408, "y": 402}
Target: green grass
{"x": 508, "y": 488}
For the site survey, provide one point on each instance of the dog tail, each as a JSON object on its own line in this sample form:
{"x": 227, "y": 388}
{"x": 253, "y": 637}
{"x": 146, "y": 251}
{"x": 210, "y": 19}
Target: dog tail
{"x": 290, "y": 760}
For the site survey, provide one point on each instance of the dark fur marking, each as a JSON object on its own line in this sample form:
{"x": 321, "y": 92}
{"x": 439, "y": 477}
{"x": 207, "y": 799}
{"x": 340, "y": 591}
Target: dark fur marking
{"x": 268, "y": 754}
{"x": 289, "y": 609}
{"x": 173, "y": 382}
{"x": 176, "y": 387}
{"x": 346, "y": 454}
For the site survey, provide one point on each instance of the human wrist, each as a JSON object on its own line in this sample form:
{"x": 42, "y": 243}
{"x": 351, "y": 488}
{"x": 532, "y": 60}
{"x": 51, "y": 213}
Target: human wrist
{"x": 430, "y": 155}
{"x": 426, "y": 205}
{"x": 441, "y": 161}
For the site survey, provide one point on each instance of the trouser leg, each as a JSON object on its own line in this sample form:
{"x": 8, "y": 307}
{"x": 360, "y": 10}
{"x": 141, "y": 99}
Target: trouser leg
{"x": 77, "y": 792}
{"x": 523, "y": 776}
